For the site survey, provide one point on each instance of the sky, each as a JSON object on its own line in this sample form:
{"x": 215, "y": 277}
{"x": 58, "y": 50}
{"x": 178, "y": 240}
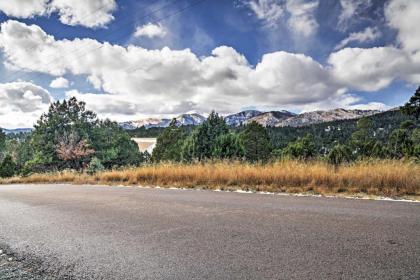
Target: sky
{"x": 131, "y": 59}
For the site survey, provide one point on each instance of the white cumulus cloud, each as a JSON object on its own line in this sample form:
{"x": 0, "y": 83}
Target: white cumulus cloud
{"x": 403, "y": 15}
{"x": 91, "y": 13}
{"x": 22, "y": 104}
{"x": 24, "y": 8}
{"x": 150, "y": 30}
{"x": 59, "y": 82}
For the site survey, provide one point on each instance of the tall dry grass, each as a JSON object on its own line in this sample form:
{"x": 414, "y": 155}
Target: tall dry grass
{"x": 388, "y": 178}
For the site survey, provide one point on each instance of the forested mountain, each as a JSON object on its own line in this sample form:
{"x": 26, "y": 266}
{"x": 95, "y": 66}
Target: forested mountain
{"x": 326, "y": 134}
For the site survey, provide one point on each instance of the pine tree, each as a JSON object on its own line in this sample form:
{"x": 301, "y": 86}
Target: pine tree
{"x": 2, "y": 143}
{"x": 201, "y": 143}
{"x": 7, "y": 167}
{"x": 228, "y": 146}
{"x": 169, "y": 144}
{"x": 412, "y": 107}
{"x": 303, "y": 148}
{"x": 256, "y": 142}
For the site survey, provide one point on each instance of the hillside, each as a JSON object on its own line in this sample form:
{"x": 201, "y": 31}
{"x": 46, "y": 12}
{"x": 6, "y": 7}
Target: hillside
{"x": 327, "y": 134}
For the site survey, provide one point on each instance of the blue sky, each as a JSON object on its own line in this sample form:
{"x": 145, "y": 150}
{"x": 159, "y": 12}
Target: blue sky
{"x": 169, "y": 57}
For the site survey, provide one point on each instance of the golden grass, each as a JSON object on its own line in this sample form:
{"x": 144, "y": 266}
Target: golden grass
{"x": 385, "y": 178}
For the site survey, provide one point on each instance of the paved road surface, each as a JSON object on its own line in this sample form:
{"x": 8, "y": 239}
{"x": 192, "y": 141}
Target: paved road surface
{"x": 81, "y": 232}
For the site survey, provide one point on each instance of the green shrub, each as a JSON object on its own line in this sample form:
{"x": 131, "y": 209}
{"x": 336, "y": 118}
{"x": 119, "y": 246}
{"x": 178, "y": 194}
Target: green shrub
{"x": 94, "y": 166}
{"x": 7, "y": 167}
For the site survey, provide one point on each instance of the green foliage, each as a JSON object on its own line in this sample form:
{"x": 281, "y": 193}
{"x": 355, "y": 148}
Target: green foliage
{"x": 228, "y": 146}
{"x": 362, "y": 140}
{"x": 7, "y": 167}
{"x": 302, "y": 148}
{"x": 169, "y": 143}
{"x": 113, "y": 146}
{"x": 201, "y": 143}
{"x": 152, "y": 132}
{"x": 70, "y": 136}
{"x": 412, "y": 107}
{"x": 256, "y": 142}
{"x": 66, "y": 124}
{"x": 95, "y": 166}
{"x": 2, "y": 141}
{"x": 327, "y": 135}
{"x": 339, "y": 154}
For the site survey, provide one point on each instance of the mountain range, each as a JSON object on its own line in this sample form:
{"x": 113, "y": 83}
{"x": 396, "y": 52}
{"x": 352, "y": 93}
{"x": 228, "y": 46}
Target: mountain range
{"x": 266, "y": 119}
{"x": 16, "y": 131}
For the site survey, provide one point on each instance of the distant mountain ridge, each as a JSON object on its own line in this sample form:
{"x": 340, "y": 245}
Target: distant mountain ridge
{"x": 315, "y": 117}
{"x": 16, "y": 130}
{"x": 241, "y": 118}
{"x": 266, "y": 119}
{"x": 184, "y": 119}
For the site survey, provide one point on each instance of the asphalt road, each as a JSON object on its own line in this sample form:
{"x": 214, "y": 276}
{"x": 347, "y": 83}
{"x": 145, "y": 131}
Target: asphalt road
{"x": 94, "y": 232}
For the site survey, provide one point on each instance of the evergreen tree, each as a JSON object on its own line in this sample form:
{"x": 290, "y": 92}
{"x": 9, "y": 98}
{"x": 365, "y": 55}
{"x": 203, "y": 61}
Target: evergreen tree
{"x": 169, "y": 144}
{"x": 302, "y": 148}
{"x": 256, "y": 142}
{"x": 113, "y": 145}
{"x": 412, "y": 107}
{"x": 201, "y": 143}
{"x": 69, "y": 136}
{"x": 400, "y": 144}
{"x": 7, "y": 167}
{"x": 362, "y": 139}
{"x": 228, "y": 146}
{"x": 62, "y": 120}
{"x": 2, "y": 143}
{"x": 415, "y": 140}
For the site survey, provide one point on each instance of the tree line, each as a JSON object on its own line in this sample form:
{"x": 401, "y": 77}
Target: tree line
{"x": 69, "y": 136}
{"x": 392, "y": 135}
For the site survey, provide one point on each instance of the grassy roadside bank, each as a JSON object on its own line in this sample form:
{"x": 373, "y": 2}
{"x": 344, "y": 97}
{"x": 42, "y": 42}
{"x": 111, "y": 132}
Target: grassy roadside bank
{"x": 381, "y": 178}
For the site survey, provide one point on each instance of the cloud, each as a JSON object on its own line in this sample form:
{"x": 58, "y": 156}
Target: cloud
{"x": 349, "y": 10}
{"x": 369, "y": 34}
{"x": 370, "y": 106}
{"x": 150, "y": 30}
{"x": 298, "y": 14}
{"x": 403, "y": 15}
{"x": 302, "y": 19}
{"x": 138, "y": 81}
{"x": 271, "y": 11}
{"x": 24, "y": 8}
{"x": 59, "y": 82}
{"x": 92, "y": 13}
{"x": 25, "y": 104}
{"x": 371, "y": 69}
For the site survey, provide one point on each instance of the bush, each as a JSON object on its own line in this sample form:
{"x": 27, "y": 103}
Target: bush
{"x": 302, "y": 149}
{"x": 7, "y": 167}
{"x": 94, "y": 166}
{"x": 339, "y": 154}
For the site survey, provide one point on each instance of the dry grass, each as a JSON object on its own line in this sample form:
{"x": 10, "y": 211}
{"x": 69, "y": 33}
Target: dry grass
{"x": 386, "y": 178}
